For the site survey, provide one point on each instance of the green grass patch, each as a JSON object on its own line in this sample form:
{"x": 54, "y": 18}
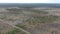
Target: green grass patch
{"x": 41, "y": 19}
{"x": 16, "y": 31}
{"x": 39, "y": 12}
{"x": 21, "y": 26}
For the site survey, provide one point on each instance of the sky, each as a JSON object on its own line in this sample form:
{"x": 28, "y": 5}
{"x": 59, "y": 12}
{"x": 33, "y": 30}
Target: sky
{"x": 29, "y": 1}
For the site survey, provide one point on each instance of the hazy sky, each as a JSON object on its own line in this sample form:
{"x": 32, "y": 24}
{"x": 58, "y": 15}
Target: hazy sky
{"x": 29, "y": 1}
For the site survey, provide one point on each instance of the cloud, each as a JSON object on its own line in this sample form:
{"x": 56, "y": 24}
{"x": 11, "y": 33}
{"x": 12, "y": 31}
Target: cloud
{"x": 56, "y": 1}
{"x": 29, "y": 1}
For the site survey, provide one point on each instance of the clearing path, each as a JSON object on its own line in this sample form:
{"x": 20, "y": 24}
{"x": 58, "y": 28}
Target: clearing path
{"x": 15, "y": 26}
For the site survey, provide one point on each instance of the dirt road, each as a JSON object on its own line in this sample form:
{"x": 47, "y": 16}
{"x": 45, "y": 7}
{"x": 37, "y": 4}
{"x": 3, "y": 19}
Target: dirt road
{"x": 15, "y": 26}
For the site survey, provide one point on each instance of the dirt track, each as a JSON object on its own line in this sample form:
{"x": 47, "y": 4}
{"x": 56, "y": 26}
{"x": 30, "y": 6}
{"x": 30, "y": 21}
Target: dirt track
{"x": 15, "y": 26}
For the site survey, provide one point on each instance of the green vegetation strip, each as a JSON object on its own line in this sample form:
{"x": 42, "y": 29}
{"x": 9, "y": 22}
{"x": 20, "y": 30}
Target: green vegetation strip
{"x": 39, "y": 11}
{"x": 21, "y": 26}
{"x": 16, "y": 31}
{"x": 41, "y": 19}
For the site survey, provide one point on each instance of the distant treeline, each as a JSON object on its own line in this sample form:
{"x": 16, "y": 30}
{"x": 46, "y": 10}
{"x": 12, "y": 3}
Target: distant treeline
{"x": 29, "y": 5}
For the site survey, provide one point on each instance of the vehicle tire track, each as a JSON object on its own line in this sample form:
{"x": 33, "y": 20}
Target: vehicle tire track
{"x": 15, "y": 26}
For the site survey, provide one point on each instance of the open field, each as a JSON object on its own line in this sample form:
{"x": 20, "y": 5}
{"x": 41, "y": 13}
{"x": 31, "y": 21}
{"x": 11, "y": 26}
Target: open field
{"x": 29, "y": 21}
